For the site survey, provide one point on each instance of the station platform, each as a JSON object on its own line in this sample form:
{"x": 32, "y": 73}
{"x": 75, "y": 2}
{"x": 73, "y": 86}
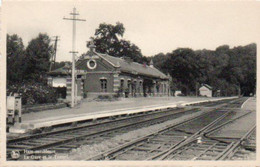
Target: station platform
{"x": 249, "y": 104}
{"x": 94, "y": 110}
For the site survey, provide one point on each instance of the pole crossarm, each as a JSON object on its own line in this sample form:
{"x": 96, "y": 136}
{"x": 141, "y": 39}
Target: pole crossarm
{"x": 74, "y": 13}
{"x": 73, "y": 19}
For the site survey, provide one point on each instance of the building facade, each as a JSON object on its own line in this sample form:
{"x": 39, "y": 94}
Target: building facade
{"x": 103, "y": 74}
{"x": 205, "y": 90}
{"x": 58, "y": 77}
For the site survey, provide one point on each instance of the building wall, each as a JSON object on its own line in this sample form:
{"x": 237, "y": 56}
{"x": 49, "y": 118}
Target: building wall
{"x": 135, "y": 89}
{"x": 204, "y": 91}
{"x": 78, "y": 89}
{"x": 57, "y": 81}
{"x": 103, "y": 69}
{"x": 92, "y": 84}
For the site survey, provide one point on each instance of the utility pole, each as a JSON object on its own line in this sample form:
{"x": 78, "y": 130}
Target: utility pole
{"x": 74, "y": 19}
{"x": 53, "y": 57}
{"x": 239, "y": 90}
{"x": 196, "y": 89}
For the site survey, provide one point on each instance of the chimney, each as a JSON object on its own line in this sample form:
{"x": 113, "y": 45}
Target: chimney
{"x": 92, "y": 46}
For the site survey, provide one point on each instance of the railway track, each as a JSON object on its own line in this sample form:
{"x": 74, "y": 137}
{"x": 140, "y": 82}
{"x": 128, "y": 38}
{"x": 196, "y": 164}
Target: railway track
{"x": 236, "y": 103}
{"x": 213, "y": 103}
{"x": 238, "y": 148}
{"x": 164, "y": 144}
{"x": 247, "y": 148}
{"x": 64, "y": 140}
{"x": 185, "y": 141}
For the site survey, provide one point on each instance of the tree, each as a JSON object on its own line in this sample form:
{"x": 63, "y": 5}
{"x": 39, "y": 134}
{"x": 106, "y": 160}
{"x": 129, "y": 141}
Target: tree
{"x": 38, "y": 53}
{"x": 61, "y": 64}
{"x": 16, "y": 63}
{"x": 107, "y": 36}
{"x": 159, "y": 60}
{"x": 229, "y": 70}
{"x": 183, "y": 66}
{"x": 108, "y": 40}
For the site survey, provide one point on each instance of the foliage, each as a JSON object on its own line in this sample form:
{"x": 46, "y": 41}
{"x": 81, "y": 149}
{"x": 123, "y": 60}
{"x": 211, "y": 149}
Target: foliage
{"x": 26, "y": 69}
{"x": 28, "y": 64}
{"x": 38, "y": 54}
{"x": 16, "y": 62}
{"x": 61, "y": 64}
{"x": 34, "y": 93}
{"x": 108, "y": 39}
{"x": 225, "y": 69}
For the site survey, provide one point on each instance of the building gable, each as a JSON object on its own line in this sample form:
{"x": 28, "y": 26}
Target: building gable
{"x": 94, "y": 64}
{"x": 204, "y": 88}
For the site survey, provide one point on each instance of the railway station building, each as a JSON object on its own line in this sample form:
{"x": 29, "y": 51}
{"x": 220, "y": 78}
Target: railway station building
{"x": 104, "y": 75}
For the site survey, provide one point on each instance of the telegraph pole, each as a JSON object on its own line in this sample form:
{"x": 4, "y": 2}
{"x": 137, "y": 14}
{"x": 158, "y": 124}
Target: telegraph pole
{"x": 53, "y": 57}
{"x": 73, "y": 19}
{"x": 196, "y": 89}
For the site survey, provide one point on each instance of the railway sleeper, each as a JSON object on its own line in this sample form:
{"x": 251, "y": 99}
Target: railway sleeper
{"x": 18, "y": 146}
{"x": 149, "y": 149}
{"x": 69, "y": 146}
{"x": 250, "y": 147}
{"x": 64, "y": 137}
{"x": 49, "y": 139}
{"x": 168, "y": 137}
{"x": 163, "y": 140}
{"x": 211, "y": 153}
{"x": 28, "y": 143}
{"x": 242, "y": 152}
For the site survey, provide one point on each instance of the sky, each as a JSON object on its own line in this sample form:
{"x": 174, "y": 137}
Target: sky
{"x": 155, "y": 26}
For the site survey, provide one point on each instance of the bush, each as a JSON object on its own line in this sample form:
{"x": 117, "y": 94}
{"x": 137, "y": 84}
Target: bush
{"x": 34, "y": 93}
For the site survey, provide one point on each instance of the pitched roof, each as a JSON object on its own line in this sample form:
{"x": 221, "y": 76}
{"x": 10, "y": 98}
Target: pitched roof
{"x": 207, "y": 86}
{"x": 133, "y": 67}
{"x": 61, "y": 71}
{"x": 122, "y": 64}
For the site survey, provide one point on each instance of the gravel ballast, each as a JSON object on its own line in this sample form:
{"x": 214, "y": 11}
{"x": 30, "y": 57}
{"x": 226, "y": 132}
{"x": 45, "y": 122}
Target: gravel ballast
{"x": 86, "y": 151}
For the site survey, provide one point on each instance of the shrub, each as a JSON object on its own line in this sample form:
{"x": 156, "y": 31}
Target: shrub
{"x": 34, "y": 93}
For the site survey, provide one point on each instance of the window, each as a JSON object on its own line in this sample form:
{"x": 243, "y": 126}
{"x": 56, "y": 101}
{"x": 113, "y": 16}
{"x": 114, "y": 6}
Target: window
{"x": 134, "y": 86}
{"x": 140, "y": 83}
{"x": 103, "y": 83}
{"x": 122, "y": 83}
{"x": 140, "y": 86}
{"x": 128, "y": 84}
{"x": 91, "y": 64}
{"x": 158, "y": 87}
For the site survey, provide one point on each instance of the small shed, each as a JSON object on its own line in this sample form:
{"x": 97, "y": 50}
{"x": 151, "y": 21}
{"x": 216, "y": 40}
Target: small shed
{"x": 61, "y": 79}
{"x": 58, "y": 77}
{"x": 177, "y": 93}
{"x": 205, "y": 90}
